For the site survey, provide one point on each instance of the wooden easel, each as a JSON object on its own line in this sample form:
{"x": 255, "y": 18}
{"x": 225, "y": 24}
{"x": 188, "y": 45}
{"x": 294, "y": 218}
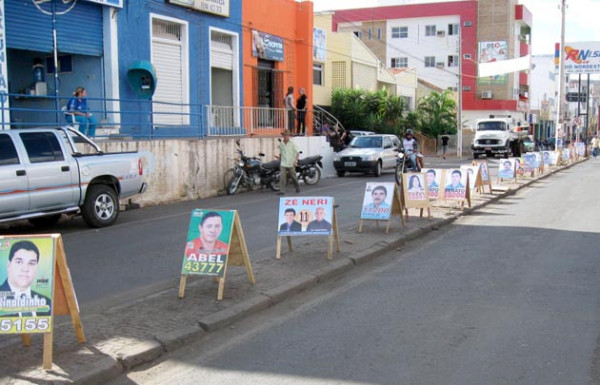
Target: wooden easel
{"x": 416, "y": 204}
{"x": 334, "y": 236}
{"x": 64, "y": 301}
{"x": 237, "y": 256}
{"x": 396, "y": 210}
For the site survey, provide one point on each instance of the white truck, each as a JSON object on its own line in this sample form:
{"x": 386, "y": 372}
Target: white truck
{"x": 495, "y": 136}
{"x": 47, "y": 172}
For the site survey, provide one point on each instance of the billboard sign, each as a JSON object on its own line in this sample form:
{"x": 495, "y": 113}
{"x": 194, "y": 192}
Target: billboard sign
{"x": 582, "y": 57}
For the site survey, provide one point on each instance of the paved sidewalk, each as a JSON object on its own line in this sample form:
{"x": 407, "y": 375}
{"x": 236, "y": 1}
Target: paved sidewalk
{"x": 131, "y": 334}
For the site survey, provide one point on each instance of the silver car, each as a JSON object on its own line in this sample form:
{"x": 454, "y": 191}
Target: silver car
{"x": 368, "y": 153}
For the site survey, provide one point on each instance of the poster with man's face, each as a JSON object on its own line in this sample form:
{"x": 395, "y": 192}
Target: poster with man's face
{"x": 455, "y": 187}
{"x": 207, "y": 243}
{"x": 26, "y": 290}
{"x": 529, "y": 162}
{"x": 580, "y": 148}
{"x": 566, "y": 154}
{"x": 377, "y": 201}
{"x": 506, "y": 169}
{"x": 433, "y": 178}
{"x": 305, "y": 216}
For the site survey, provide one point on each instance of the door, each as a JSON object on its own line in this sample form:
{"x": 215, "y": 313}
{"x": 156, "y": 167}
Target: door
{"x": 14, "y": 191}
{"x": 53, "y": 179}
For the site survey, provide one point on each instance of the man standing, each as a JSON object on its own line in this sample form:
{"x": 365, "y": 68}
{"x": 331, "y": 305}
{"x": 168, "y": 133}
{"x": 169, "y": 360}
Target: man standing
{"x": 289, "y": 154}
{"x": 595, "y": 146}
{"x": 445, "y": 140}
{"x": 289, "y": 107}
{"x": 319, "y": 224}
{"x": 301, "y": 112}
{"x": 21, "y": 270}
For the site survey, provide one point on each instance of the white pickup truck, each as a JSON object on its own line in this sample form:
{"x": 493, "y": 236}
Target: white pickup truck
{"x": 46, "y": 172}
{"x": 498, "y": 136}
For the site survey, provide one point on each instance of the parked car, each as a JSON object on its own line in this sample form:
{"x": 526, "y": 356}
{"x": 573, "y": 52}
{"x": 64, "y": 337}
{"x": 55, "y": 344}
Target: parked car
{"x": 361, "y": 133}
{"x": 47, "y": 172}
{"x": 368, "y": 153}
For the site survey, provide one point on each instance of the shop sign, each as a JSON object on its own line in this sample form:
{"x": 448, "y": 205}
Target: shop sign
{"x": 112, "y": 3}
{"x": 582, "y": 57}
{"x": 216, "y": 7}
{"x": 266, "y": 46}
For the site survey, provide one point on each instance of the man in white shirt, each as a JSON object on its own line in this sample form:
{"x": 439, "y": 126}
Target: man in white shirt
{"x": 410, "y": 147}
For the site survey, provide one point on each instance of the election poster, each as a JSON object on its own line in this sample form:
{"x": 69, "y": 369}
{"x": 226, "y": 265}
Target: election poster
{"x": 208, "y": 240}
{"x": 580, "y": 148}
{"x": 319, "y": 44}
{"x": 27, "y": 276}
{"x": 416, "y": 192}
{"x": 305, "y": 216}
{"x": 566, "y": 155}
{"x": 519, "y": 170}
{"x": 493, "y": 51}
{"x": 506, "y": 169}
{"x": 377, "y": 201}
{"x": 472, "y": 175}
{"x": 550, "y": 158}
{"x": 455, "y": 187}
{"x": 529, "y": 163}
{"x": 434, "y": 181}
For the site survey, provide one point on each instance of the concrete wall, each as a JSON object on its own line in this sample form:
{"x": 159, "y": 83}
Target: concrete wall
{"x": 179, "y": 170}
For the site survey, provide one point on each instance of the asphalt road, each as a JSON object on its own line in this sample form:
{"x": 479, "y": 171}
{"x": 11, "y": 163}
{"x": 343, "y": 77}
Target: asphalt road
{"x": 509, "y": 295}
{"x": 141, "y": 254}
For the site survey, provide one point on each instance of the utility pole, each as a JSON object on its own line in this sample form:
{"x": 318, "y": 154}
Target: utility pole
{"x": 561, "y": 75}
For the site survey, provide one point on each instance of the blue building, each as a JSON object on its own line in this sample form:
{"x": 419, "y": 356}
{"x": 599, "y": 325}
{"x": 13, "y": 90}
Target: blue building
{"x": 194, "y": 46}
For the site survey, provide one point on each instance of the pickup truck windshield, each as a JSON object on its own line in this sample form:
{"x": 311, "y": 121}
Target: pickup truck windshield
{"x": 491, "y": 126}
{"x": 366, "y": 141}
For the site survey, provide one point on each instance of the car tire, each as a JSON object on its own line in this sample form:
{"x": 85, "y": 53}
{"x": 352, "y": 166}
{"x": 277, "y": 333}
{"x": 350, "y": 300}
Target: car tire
{"x": 341, "y": 174}
{"x": 377, "y": 169}
{"x": 475, "y": 155}
{"x": 101, "y": 206}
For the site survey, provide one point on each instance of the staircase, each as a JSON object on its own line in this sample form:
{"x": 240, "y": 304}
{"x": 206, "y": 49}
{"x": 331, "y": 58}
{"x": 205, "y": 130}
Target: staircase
{"x": 322, "y": 117}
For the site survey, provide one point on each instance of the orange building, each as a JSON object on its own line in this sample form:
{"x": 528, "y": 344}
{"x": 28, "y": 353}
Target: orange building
{"x": 277, "y": 52}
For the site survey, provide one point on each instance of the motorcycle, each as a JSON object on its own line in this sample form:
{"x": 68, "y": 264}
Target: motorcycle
{"x": 251, "y": 173}
{"x": 309, "y": 169}
{"x": 404, "y": 164}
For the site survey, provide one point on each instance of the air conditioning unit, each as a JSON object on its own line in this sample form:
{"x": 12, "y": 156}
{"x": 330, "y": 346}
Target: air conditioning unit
{"x": 441, "y": 33}
{"x": 440, "y": 64}
{"x": 468, "y": 23}
{"x": 486, "y": 94}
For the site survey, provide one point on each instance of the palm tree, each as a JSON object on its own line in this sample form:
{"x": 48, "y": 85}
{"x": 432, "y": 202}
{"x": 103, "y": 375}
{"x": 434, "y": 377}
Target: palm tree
{"x": 438, "y": 114}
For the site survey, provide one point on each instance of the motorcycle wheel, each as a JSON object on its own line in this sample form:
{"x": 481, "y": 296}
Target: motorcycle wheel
{"x": 234, "y": 183}
{"x": 274, "y": 185}
{"x": 398, "y": 174}
{"x": 316, "y": 176}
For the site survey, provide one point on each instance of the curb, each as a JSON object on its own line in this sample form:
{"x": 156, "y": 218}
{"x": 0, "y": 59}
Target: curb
{"x": 147, "y": 351}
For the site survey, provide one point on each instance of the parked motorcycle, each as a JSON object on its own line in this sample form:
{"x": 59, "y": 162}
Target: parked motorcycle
{"x": 309, "y": 169}
{"x": 251, "y": 173}
{"x": 404, "y": 164}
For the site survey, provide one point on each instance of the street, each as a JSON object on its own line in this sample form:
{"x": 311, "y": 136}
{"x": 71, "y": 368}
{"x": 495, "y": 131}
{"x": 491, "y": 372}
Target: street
{"x": 141, "y": 253}
{"x": 508, "y": 295}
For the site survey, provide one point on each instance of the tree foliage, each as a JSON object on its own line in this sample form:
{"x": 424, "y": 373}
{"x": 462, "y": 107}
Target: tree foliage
{"x": 437, "y": 114}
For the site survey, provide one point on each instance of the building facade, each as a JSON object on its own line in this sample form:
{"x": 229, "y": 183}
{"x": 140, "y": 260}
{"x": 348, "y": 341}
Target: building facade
{"x": 445, "y": 41}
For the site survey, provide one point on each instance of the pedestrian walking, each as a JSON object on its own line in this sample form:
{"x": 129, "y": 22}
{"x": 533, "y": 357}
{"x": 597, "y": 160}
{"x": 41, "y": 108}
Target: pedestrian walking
{"x": 289, "y": 107}
{"x": 301, "y": 112}
{"x": 445, "y": 140}
{"x": 595, "y": 146}
{"x": 289, "y": 154}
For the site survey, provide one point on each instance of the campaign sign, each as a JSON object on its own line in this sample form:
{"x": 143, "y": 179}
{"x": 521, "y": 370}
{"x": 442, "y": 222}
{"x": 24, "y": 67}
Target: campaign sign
{"x": 529, "y": 163}
{"x": 455, "y": 184}
{"x": 580, "y": 148}
{"x": 434, "y": 181}
{"x": 483, "y": 169}
{"x": 550, "y": 158}
{"x": 415, "y": 187}
{"x": 472, "y": 174}
{"x": 305, "y": 216}
{"x": 207, "y": 243}
{"x": 27, "y": 276}
{"x": 566, "y": 154}
{"x": 538, "y": 160}
{"x": 519, "y": 170}
{"x": 377, "y": 203}
{"x": 506, "y": 169}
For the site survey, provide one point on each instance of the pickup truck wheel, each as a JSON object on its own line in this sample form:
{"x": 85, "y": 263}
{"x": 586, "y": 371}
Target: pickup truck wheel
{"x": 475, "y": 155}
{"x": 45, "y": 221}
{"x": 101, "y": 206}
{"x": 341, "y": 174}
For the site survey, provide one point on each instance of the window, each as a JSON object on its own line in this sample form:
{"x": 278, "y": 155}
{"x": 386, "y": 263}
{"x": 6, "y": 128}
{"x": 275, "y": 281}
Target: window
{"x": 42, "y": 147}
{"x": 8, "y": 152}
{"x": 453, "y": 61}
{"x": 338, "y": 74}
{"x": 378, "y": 33}
{"x": 358, "y": 34}
{"x": 467, "y": 56}
{"x": 317, "y": 74}
{"x": 399, "y": 32}
{"x": 399, "y": 62}
{"x": 429, "y": 61}
{"x": 430, "y": 30}
{"x": 453, "y": 29}
{"x": 169, "y": 53}
{"x": 387, "y": 142}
